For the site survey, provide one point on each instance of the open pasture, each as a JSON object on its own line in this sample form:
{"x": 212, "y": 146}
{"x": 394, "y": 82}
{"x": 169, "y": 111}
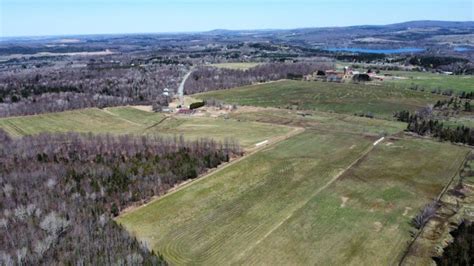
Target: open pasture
{"x": 430, "y": 81}
{"x": 347, "y": 98}
{"x": 128, "y": 120}
{"x": 306, "y": 200}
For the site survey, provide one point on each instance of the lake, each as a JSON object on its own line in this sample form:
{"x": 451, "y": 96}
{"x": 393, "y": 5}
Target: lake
{"x": 462, "y": 49}
{"x": 377, "y": 51}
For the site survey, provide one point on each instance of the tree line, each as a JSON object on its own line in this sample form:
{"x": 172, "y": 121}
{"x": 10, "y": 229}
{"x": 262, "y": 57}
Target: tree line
{"x": 427, "y": 126}
{"x": 52, "y": 89}
{"x": 445, "y": 92}
{"x": 211, "y": 78}
{"x": 59, "y": 193}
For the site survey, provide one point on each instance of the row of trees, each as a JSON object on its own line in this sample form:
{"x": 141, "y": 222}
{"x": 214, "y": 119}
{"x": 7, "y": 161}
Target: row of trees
{"x": 444, "y": 92}
{"x": 454, "y": 103}
{"x": 59, "y": 192}
{"x": 424, "y": 125}
{"x": 210, "y": 78}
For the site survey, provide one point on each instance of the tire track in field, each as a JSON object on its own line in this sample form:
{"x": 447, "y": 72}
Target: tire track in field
{"x": 157, "y": 123}
{"x": 174, "y": 249}
{"x": 248, "y": 153}
{"x": 303, "y": 203}
{"x": 121, "y": 118}
{"x": 189, "y": 233}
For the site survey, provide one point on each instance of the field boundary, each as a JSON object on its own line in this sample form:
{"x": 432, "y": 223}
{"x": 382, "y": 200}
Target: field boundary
{"x": 438, "y": 198}
{"x": 250, "y": 152}
{"x": 300, "y": 206}
{"x": 119, "y": 117}
{"x": 157, "y": 123}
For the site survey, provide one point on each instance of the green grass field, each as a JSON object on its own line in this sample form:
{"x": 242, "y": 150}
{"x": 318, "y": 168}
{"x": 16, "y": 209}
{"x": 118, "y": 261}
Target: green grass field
{"x": 128, "y": 120}
{"x": 215, "y": 220}
{"x": 248, "y": 133}
{"x": 285, "y": 205}
{"x": 382, "y": 101}
{"x": 237, "y": 66}
{"x": 431, "y": 81}
{"x": 326, "y": 196}
{"x": 330, "y": 122}
{"x": 86, "y": 120}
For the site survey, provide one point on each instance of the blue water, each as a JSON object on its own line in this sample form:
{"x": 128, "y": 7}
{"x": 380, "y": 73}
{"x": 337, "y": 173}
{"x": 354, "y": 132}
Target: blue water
{"x": 377, "y": 51}
{"x": 462, "y": 49}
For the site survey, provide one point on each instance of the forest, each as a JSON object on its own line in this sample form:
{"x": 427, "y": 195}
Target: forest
{"x": 35, "y": 91}
{"x": 210, "y": 78}
{"x": 60, "y": 192}
{"x": 461, "y": 251}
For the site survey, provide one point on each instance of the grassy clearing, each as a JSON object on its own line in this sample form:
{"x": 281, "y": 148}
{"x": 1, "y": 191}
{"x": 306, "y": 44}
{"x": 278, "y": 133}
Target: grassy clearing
{"x": 128, "y": 120}
{"x": 382, "y": 101}
{"x": 248, "y": 133}
{"x": 453, "y": 122}
{"x": 431, "y": 81}
{"x": 364, "y": 217}
{"x": 214, "y": 220}
{"x": 86, "y": 120}
{"x": 237, "y": 66}
{"x": 274, "y": 207}
{"x": 322, "y": 121}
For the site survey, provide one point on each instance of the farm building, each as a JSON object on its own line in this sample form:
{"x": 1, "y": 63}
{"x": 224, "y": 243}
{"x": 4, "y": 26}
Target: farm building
{"x": 185, "y": 111}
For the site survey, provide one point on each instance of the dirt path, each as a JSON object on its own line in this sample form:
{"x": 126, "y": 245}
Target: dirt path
{"x": 303, "y": 203}
{"x": 121, "y": 118}
{"x": 183, "y": 185}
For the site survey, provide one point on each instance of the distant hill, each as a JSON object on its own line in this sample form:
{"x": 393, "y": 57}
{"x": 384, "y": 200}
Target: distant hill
{"x": 433, "y": 23}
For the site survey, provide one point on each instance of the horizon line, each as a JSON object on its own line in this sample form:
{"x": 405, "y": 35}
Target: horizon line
{"x": 12, "y": 37}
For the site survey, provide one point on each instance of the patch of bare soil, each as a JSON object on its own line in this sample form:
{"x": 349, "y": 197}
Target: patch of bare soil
{"x": 344, "y": 201}
{"x": 378, "y": 226}
{"x": 407, "y": 210}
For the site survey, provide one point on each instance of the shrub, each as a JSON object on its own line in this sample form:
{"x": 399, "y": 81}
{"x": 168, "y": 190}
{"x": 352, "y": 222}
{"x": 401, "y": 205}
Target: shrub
{"x": 196, "y": 105}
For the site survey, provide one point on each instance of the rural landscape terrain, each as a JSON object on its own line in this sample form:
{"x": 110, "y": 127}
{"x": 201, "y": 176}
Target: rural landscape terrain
{"x": 326, "y": 146}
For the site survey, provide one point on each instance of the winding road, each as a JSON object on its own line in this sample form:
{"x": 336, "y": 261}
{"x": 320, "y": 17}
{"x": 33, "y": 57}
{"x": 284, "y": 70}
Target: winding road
{"x": 181, "y": 86}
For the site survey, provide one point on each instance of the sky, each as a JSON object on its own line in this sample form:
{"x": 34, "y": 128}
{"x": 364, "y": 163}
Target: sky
{"x": 72, "y": 17}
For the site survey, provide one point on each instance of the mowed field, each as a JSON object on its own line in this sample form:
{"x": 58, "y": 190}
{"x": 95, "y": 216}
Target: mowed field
{"x": 381, "y": 101}
{"x": 128, "y": 120}
{"x": 317, "y": 198}
{"x": 431, "y": 81}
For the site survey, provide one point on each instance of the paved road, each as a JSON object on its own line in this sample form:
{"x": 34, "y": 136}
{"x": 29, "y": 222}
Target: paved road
{"x": 181, "y": 87}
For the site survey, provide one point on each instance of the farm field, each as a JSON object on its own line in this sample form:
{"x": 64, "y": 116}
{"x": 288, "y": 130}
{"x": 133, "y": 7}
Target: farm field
{"x": 128, "y": 120}
{"x": 84, "y": 120}
{"x": 431, "y": 81}
{"x": 381, "y": 101}
{"x": 303, "y": 201}
{"x": 216, "y": 218}
{"x": 322, "y": 121}
{"x": 363, "y": 218}
{"x": 237, "y": 66}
